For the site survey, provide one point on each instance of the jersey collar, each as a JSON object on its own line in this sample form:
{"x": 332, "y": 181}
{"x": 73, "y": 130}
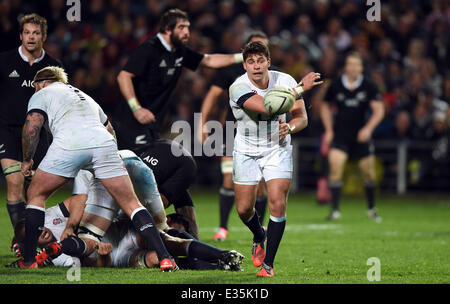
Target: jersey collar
{"x": 26, "y": 59}
{"x": 357, "y": 83}
{"x": 164, "y": 42}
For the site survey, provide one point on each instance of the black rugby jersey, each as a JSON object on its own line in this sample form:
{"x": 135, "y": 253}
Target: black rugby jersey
{"x": 157, "y": 71}
{"x": 16, "y": 87}
{"x": 353, "y": 107}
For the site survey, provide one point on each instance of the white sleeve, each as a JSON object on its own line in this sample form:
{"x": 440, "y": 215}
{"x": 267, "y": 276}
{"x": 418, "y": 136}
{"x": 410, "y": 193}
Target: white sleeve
{"x": 39, "y": 102}
{"x": 236, "y": 91}
{"x": 102, "y": 116}
{"x": 82, "y": 182}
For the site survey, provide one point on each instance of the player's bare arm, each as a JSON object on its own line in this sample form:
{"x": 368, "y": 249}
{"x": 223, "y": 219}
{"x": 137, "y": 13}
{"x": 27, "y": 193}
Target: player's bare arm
{"x": 207, "y": 106}
{"x": 30, "y": 140}
{"x": 377, "y": 116}
{"x": 143, "y": 115}
{"x": 298, "y": 122}
{"x": 75, "y": 204}
{"x": 216, "y": 61}
{"x": 327, "y": 120}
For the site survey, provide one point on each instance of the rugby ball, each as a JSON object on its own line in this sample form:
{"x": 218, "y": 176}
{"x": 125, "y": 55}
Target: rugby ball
{"x": 279, "y": 100}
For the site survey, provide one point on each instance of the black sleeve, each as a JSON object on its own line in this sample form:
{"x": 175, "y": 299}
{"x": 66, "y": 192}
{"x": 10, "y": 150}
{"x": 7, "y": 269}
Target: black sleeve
{"x": 192, "y": 58}
{"x": 329, "y": 95}
{"x": 139, "y": 60}
{"x": 244, "y": 98}
{"x": 374, "y": 93}
{"x": 223, "y": 79}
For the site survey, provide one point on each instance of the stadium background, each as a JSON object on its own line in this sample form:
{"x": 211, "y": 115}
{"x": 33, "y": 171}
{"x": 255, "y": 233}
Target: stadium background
{"x": 406, "y": 55}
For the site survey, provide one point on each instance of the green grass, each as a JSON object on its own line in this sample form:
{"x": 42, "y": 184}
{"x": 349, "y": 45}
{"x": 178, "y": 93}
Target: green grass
{"x": 412, "y": 243}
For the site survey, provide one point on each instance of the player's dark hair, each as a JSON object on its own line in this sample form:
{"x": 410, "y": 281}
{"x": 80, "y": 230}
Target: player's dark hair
{"x": 356, "y": 55}
{"x": 19, "y": 230}
{"x": 256, "y": 47}
{"x": 256, "y": 34}
{"x": 175, "y": 218}
{"x": 35, "y": 19}
{"x": 170, "y": 18}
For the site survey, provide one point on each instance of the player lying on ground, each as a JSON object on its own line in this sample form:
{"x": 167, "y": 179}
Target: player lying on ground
{"x": 101, "y": 209}
{"x": 122, "y": 246}
{"x": 80, "y": 141}
{"x": 262, "y": 148}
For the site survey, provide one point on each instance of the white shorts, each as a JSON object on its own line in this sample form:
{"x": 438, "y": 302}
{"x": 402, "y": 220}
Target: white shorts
{"x": 103, "y": 162}
{"x": 249, "y": 170}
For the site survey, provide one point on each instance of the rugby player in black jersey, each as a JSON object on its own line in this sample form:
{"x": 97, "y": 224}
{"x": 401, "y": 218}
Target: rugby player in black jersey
{"x": 17, "y": 69}
{"x": 359, "y": 111}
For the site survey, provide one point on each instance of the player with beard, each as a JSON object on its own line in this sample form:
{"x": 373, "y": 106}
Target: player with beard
{"x": 150, "y": 76}
{"x": 17, "y": 69}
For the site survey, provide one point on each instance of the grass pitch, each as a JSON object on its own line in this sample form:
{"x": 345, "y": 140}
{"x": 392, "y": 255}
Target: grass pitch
{"x": 412, "y": 244}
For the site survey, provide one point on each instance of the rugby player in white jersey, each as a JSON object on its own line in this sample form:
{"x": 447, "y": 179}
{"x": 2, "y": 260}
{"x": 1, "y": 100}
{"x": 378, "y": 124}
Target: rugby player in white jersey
{"x": 262, "y": 148}
{"x": 80, "y": 141}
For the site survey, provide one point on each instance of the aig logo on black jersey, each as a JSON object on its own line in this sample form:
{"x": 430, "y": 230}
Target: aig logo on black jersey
{"x": 151, "y": 160}
{"x": 27, "y": 83}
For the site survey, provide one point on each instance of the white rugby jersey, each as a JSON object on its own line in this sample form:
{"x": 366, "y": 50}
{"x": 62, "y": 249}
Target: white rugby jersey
{"x": 257, "y": 134}
{"x": 75, "y": 120}
{"x": 55, "y": 220}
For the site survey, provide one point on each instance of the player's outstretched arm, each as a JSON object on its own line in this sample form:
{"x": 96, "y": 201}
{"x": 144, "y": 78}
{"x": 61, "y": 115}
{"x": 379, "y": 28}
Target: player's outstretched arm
{"x": 307, "y": 83}
{"x": 216, "y": 61}
{"x": 207, "y": 106}
{"x": 30, "y": 139}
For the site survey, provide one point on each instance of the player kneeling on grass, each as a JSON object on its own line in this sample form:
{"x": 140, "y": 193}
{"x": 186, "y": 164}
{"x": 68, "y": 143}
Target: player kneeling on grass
{"x": 262, "y": 148}
{"x": 80, "y": 141}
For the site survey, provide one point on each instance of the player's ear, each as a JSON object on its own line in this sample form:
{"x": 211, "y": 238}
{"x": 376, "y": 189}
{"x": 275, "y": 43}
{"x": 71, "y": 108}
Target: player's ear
{"x": 268, "y": 62}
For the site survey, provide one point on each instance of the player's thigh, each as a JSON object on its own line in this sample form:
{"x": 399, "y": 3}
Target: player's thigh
{"x": 367, "y": 167}
{"x": 121, "y": 189}
{"x": 226, "y": 166}
{"x": 245, "y": 198}
{"x": 42, "y": 186}
{"x": 337, "y": 159}
{"x": 91, "y": 230}
{"x": 277, "y": 193}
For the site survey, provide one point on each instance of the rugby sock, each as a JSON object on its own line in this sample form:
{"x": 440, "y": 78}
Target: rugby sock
{"x": 335, "y": 188}
{"x": 180, "y": 234}
{"x": 275, "y": 231}
{"x": 370, "y": 194}
{"x": 196, "y": 264}
{"x": 226, "y": 201}
{"x": 255, "y": 226}
{"x": 261, "y": 206}
{"x": 34, "y": 223}
{"x": 203, "y": 251}
{"x": 73, "y": 246}
{"x": 15, "y": 210}
{"x": 145, "y": 226}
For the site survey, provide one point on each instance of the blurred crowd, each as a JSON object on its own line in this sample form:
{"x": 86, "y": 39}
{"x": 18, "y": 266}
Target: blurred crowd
{"x": 406, "y": 53}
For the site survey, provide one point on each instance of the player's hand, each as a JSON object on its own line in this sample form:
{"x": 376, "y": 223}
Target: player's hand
{"x": 67, "y": 232}
{"x": 283, "y": 129}
{"x": 311, "y": 80}
{"x": 144, "y": 116}
{"x": 364, "y": 135}
{"x": 26, "y": 168}
{"x": 104, "y": 248}
{"x": 328, "y": 137}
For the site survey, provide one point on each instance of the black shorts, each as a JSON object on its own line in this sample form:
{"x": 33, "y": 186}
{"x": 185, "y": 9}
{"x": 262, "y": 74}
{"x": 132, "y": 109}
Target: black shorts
{"x": 174, "y": 175}
{"x": 11, "y": 144}
{"x": 133, "y": 137}
{"x": 353, "y": 148}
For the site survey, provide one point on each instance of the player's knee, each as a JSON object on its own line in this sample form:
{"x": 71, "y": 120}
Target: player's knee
{"x": 244, "y": 210}
{"x": 277, "y": 206}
